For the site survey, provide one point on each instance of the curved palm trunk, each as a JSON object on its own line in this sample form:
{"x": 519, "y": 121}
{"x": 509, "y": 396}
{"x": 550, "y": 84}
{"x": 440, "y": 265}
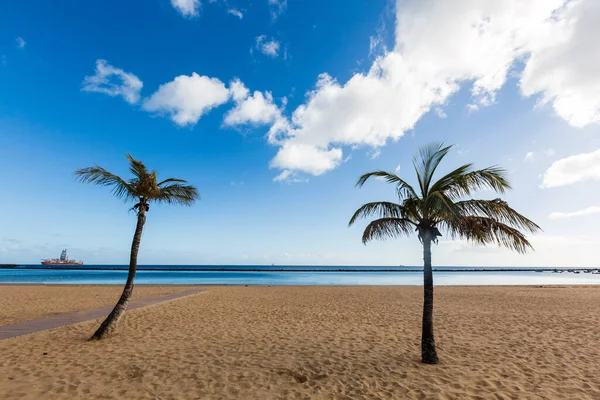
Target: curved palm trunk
{"x": 428, "y": 353}
{"x": 110, "y": 323}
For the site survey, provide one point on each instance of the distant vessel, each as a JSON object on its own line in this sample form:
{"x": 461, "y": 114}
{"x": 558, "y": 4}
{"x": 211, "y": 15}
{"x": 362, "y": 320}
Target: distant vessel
{"x": 63, "y": 260}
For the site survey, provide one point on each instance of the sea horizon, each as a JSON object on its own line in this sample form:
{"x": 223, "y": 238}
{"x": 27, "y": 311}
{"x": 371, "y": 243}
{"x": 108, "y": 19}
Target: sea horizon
{"x": 268, "y": 267}
{"x": 298, "y": 275}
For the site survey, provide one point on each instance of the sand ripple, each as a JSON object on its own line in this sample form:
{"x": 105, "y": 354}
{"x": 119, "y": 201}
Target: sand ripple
{"x": 323, "y": 343}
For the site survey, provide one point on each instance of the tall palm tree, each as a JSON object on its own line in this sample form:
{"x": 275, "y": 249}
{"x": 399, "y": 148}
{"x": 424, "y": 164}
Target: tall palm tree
{"x": 143, "y": 189}
{"x": 444, "y": 204}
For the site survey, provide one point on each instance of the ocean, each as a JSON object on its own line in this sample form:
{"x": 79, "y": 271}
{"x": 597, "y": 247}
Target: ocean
{"x": 293, "y": 275}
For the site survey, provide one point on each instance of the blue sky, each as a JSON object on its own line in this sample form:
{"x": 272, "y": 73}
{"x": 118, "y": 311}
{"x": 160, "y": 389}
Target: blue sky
{"x": 273, "y": 109}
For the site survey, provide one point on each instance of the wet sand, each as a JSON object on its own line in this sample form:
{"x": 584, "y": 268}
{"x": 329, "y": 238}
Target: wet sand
{"x": 309, "y": 343}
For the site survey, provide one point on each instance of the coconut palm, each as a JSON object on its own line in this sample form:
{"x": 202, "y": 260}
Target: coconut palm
{"x": 444, "y": 205}
{"x": 142, "y": 189}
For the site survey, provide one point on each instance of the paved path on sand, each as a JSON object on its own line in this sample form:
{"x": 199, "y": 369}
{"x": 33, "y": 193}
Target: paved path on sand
{"x": 57, "y": 321}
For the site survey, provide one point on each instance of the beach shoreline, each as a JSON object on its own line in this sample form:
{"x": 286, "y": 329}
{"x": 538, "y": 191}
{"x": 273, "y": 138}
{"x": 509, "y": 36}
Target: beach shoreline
{"x": 342, "y": 342}
{"x": 307, "y": 278}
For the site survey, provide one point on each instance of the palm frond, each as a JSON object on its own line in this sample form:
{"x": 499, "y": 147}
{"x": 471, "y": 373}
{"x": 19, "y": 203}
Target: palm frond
{"x": 137, "y": 168}
{"x": 412, "y": 209}
{"x": 100, "y": 176}
{"x": 463, "y": 185}
{"x": 385, "y": 228}
{"x": 441, "y": 206}
{"x": 176, "y": 193}
{"x": 171, "y": 180}
{"x": 450, "y": 177}
{"x": 497, "y": 209}
{"x": 427, "y": 161}
{"x": 438, "y": 207}
{"x": 483, "y": 230}
{"x": 143, "y": 187}
{"x": 404, "y": 189}
{"x": 381, "y": 209}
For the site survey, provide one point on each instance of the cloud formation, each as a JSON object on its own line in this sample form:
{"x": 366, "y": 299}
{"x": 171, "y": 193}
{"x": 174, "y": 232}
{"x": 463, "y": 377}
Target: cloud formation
{"x": 564, "y": 62}
{"x": 269, "y": 47}
{"x": 21, "y": 42}
{"x": 569, "y": 170}
{"x": 255, "y": 109}
{"x": 439, "y": 46}
{"x": 235, "y": 12}
{"x": 288, "y": 176}
{"x": 579, "y": 213}
{"x": 187, "y": 8}
{"x": 276, "y": 8}
{"x": 186, "y": 98}
{"x": 113, "y": 82}
{"x": 530, "y": 156}
{"x": 306, "y": 158}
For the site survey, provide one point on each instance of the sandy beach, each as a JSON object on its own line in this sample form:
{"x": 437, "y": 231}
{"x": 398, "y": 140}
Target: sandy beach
{"x": 27, "y": 302}
{"x": 308, "y": 343}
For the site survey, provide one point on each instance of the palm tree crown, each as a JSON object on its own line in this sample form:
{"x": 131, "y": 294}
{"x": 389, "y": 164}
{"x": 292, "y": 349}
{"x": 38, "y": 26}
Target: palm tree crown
{"x": 144, "y": 187}
{"x": 445, "y": 204}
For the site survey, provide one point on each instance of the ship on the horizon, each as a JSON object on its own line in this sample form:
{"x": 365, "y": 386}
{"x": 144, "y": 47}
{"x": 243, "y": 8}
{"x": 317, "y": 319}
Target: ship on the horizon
{"x": 63, "y": 260}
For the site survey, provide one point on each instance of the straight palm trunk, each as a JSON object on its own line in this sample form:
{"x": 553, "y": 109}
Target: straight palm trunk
{"x": 428, "y": 352}
{"x": 110, "y": 323}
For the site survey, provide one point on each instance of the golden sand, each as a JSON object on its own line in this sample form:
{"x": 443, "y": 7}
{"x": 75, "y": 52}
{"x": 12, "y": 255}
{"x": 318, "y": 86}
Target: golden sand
{"x": 27, "y": 302}
{"x": 313, "y": 343}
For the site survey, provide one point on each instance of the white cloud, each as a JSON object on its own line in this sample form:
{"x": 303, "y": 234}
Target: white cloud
{"x": 397, "y": 169}
{"x": 289, "y": 177}
{"x": 376, "y": 46}
{"x": 187, "y": 8}
{"x": 187, "y": 98}
{"x": 113, "y": 82}
{"x": 579, "y": 213}
{"x": 441, "y": 45}
{"x": 549, "y": 152}
{"x": 461, "y": 152}
{"x": 255, "y": 109}
{"x": 307, "y": 158}
{"x": 530, "y": 156}
{"x": 541, "y": 243}
{"x": 440, "y": 112}
{"x": 238, "y": 90}
{"x": 375, "y": 153}
{"x": 283, "y": 176}
{"x": 191, "y": 8}
{"x": 235, "y": 12}
{"x": 21, "y": 42}
{"x": 551, "y": 242}
{"x": 267, "y": 47}
{"x": 564, "y": 63}
{"x": 577, "y": 168}
{"x": 277, "y": 7}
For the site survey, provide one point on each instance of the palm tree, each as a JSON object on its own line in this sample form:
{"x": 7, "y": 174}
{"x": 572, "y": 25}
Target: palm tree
{"x": 444, "y": 204}
{"x": 143, "y": 188}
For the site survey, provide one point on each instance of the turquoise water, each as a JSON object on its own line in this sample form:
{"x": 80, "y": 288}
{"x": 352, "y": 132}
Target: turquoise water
{"x": 325, "y": 276}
